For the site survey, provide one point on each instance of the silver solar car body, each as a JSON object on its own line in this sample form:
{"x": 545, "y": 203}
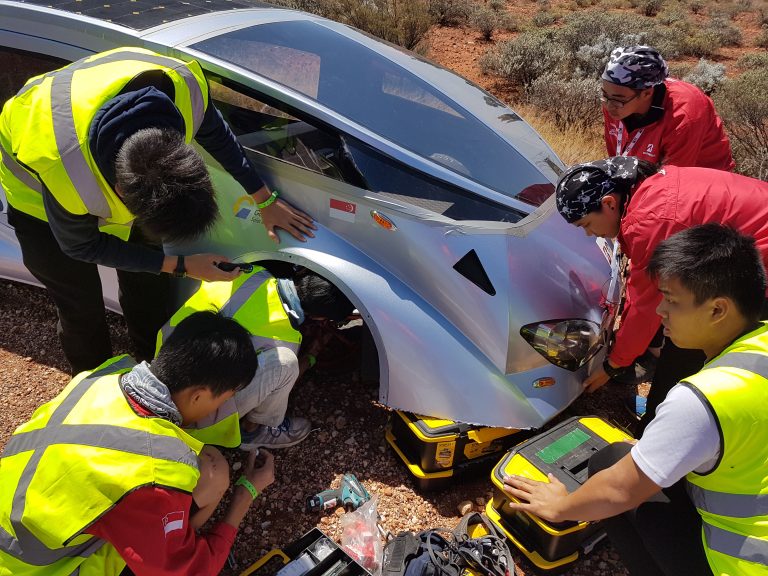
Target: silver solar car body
{"x": 433, "y": 200}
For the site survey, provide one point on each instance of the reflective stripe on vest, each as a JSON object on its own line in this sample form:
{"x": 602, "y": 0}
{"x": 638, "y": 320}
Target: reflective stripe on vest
{"x": 25, "y": 546}
{"x": 230, "y": 307}
{"x": 733, "y": 498}
{"x": 19, "y": 172}
{"x": 737, "y": 545}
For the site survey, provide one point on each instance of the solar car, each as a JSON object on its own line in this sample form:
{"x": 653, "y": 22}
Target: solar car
{"x": 433, "y": 200}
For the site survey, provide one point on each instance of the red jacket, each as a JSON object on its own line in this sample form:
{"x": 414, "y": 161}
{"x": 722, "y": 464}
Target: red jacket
{"x": 664, "y": 204}
{"x": 689, "y": 132}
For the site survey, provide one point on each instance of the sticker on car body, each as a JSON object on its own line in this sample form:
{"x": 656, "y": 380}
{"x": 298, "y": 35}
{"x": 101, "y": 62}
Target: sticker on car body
{"x": 343, "y": 210}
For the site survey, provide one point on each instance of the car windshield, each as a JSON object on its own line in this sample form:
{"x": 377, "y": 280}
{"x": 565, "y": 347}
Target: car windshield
{"x": 372, "y": 90}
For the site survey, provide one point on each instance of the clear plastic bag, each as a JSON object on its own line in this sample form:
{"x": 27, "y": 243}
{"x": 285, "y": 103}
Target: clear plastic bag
{"x": 360, "y": 536}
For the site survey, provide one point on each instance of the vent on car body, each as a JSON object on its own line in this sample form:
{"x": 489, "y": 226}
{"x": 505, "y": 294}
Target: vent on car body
{"x": 472, "y": 269}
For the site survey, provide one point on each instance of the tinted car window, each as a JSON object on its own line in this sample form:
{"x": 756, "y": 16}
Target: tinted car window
{"x": 18, "y": 66}
{"x": 270, "y": 129}
{"x": 362, "y": 85}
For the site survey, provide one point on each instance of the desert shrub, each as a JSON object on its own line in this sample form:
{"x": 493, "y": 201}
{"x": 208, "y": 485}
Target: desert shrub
{"x": 706, "y": 75}
{"x": 570, "y": 103}
{"x": 753, "y": 61}
{"x": 743, "y": 107}
{"x": 744, "y": 4}
{"x": 497, "y": 5}
{"x": 450, "y": 12}
{"x": 544, "y": 18}
{"x": 762, "y": 16}
{"x": 486, "y": 20}
{"x": 762, "y": 38}
{"x": 583, "y": 3}
{"x": 525, "y": 58}
{"x": 508, "y": 22}
{"x": 701, "y": 44}
{"x": 650, "y": 7}
{"x": 696, "y": 6}
{"x": 726, "y": 33}
{"x": 679, "y": 69}
{"x": 672, "y": 16}
{"x": 592, "y": 58}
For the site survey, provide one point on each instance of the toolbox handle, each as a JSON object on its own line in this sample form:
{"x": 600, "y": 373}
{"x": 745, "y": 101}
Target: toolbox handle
{"x": 484, "y": 435}
{"x": 264, "y": 559}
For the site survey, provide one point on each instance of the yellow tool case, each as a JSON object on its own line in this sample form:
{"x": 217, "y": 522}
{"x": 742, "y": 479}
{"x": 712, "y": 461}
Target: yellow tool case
{"x": 435, "y": 451}
{"x": 314, "y": 554}
{"x": 563, "y": 451}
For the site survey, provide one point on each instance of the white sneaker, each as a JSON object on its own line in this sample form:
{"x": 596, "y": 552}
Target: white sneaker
{"x": 290, "y": 432}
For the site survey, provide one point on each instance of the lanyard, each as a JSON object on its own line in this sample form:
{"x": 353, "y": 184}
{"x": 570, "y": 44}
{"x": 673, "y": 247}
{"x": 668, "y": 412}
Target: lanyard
{"x": 620, "y": 139}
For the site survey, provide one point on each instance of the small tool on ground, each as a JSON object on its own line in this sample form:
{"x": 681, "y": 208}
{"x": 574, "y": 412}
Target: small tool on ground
{"x": 351, "y": 494}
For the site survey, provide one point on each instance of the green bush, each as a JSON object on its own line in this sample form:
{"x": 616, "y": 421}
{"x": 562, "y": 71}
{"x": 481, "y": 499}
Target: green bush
{"x": 544, "y": 18}
{"x": 672, "y": 16}
{"x": 525, "y": 58}
{"x": 726, "y": 33}
{"x": 753, "y": 61}
{"x": 486, "y": 20}
{"x": 706, "y": 75}
{"x": 701, "y": 44}
{"x": 762, "y": 16}
{"x": 696, "y": 6}
{"x": 762, "y": 38}
{"x": 450, "y": 12}
{"x": 743, "y": 107}
{"x": 650, "y": 7}
{"x": 570, "y": 103}
{"x": 497, "y": 5}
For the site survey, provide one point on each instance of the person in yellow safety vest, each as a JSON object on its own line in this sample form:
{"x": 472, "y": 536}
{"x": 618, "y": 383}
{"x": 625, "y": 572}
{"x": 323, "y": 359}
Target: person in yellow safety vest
{"x": 103, "y": 475}
{"x": 691, "y": 496}
{"x": 273, "y": 311}
{"x": 98, "y": 168}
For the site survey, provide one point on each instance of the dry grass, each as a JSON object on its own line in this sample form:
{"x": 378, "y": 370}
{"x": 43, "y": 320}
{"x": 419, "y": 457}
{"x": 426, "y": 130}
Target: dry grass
{"x": 571, "y": 145}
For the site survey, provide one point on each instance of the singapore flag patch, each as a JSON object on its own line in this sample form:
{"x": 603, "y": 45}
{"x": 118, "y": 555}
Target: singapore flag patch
{"x": 173, "y": 521}
{"x": 343, "y": 210}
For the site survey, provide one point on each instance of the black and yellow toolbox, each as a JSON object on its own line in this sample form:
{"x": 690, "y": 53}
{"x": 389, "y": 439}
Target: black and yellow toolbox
{"x": 314, "y": 554}
{"x": 435, "y": 451}
{"x": 563, "y": 451}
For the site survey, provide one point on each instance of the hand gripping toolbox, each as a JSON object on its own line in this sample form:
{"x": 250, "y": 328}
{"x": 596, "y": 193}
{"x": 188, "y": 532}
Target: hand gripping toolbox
{"x": 435, "y": 451}
{"x": 563, "y": 451}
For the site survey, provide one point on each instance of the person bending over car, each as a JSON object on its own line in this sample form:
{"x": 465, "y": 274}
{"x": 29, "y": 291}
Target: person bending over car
{"x": 659, "y": 119}
{"x": 104, "y": 476}
{"x": 641, "y": 205}
{"x": 688, "y": 498}
{"x": 98, "y": 168}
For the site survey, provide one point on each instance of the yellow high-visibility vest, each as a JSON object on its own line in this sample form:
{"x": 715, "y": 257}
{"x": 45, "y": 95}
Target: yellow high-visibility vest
{"x": 733, "y": 498}
{"x": 44, "y": 132}
{"x": 253, "y": 300}
{"x": 71, "y": 462}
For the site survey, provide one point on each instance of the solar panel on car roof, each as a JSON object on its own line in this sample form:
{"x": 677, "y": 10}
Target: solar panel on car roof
{"x": 143, "y": 14}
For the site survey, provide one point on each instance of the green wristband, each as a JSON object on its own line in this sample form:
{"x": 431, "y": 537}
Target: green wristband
{"x": 243, "y": 481}
{"x": 269, "y": 201}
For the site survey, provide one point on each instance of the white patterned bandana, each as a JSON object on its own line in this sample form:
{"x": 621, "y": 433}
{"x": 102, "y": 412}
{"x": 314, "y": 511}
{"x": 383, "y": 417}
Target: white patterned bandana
{"x": 583, "y": 186}
{"x": 636, "y": 67}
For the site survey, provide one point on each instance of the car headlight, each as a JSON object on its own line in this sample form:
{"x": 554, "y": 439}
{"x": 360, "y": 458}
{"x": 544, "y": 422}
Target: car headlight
{"x": 568, "y": 344}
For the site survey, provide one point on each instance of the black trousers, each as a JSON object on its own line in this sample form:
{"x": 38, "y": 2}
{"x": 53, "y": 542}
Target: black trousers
{"x": 662, "y": 536}
{"x": 75, "y": 288}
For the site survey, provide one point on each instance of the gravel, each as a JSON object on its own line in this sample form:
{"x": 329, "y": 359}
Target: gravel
{"x": 350, "y": 438}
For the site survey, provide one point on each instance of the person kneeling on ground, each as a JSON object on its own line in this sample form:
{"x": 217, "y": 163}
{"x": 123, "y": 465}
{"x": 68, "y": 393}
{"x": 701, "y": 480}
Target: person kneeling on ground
{"x": 710, "y": 436}
{"x": 104, "y": 476}
{"x": 274, "y": 312}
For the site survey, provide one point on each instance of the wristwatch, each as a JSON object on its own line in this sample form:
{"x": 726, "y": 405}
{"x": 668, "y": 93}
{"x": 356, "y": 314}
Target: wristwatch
{"x": 180, "y": 271}
{"x": 613, "y": 372}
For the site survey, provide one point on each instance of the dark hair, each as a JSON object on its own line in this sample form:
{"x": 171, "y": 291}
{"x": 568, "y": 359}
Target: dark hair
{"x": 206, "y": 349}
{"x": 712, "y": 260}
{"x": 319, "y": 297}
{"x": 165, "y": 183}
